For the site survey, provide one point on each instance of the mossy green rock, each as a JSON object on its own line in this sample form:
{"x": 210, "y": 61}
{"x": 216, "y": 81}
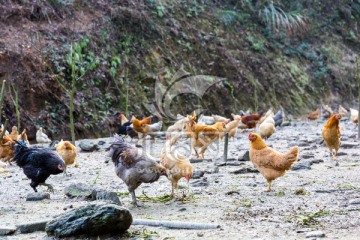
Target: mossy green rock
{"x": 91, "y": 220}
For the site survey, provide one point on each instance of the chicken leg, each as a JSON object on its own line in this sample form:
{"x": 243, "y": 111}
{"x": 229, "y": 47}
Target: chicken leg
{"x": 174, "y": 188}
{"x": 134, "y": 201}
{"x": 269, "y": 185}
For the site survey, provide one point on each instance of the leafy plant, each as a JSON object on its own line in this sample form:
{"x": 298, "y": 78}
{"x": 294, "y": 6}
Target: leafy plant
{"x": 256, "y": 44}
{"x": 310, "y": 218}
{"x": 227, "y": 17}
{"x": 301, "y": 191}
{"x": 276, "y": 19}
{"x": 160, "y": 10}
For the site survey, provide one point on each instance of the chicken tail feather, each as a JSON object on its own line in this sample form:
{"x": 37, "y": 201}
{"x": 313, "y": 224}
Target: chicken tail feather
{"x": 291, "y": 157}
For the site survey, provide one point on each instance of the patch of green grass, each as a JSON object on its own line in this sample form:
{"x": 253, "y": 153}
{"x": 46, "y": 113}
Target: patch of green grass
{"x": 163, "y": 198}
{"x": 311, "y": 218}
{"x": 301, "y": 191}
{"x": 246, "y": 203}
{"x": 346, "y": 186}
{"x": 280, "y": 194}
{"x": 144, "y": 233}
{"x": 121, "y": 194}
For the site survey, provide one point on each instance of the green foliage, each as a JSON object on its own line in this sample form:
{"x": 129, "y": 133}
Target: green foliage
{"x": 160, "y": 10}
{"x": 229, "y": 86}
{"x": 276, "y": 19}
{"x": 80, "y": 59}
{"x": 142, "y": 234}
{"x": 256, "y": 44}
{"x": 310, "y": 218}
{"x": 227, "y": 17}
{"x": 301, "y": 191}
{"x": 195, "y": 9}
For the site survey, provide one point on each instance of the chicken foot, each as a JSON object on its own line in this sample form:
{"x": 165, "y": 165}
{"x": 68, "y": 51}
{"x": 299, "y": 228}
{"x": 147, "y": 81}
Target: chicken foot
{"x": 134, "y": 201}
{"x": 50, "y": 187}
{"x": 334, "y": 153}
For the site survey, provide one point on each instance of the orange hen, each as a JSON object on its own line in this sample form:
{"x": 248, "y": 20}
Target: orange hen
{"x": 270, "y": 163}
{"x": 67, "y": 152}
{"x": 6, "y": 149}
{"x": 139, "y": 124}
{"x": 314, "y": 115}
{"x": 331, "y": 134}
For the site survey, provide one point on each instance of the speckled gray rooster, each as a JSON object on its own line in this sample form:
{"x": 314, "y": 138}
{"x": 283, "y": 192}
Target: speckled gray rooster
{"x": 132, "y": 167}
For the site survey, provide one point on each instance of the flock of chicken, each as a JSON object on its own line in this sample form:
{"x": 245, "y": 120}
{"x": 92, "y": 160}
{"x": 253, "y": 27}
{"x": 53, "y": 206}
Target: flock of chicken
{"x": 135, "y": 167}
{"x": 208, "y": 129}
{"x": 37, "y": 163}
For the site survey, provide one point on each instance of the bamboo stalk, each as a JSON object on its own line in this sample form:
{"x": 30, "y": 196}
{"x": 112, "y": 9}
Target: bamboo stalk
{"x": 226, "y": 143}
{"x": 72, "y": 93}
{"x": 2, "y": 98}
{"x": 358, "y": 78}
{"x": 5, "y": 126}
{"x": 16, "y": 103}
{"x": 175, "y": 224}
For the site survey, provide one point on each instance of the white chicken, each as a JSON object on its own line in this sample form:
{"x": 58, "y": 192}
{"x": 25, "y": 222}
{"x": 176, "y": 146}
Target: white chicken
{"x": 206, "y": 120}
{"x": 2, "y": 129}
{"x": 354, "y": 115}
{"x": 153, "y": 129}
{"x": 41, "y": 137}
{"x": 267, "y": 127}
{"x": 218, "y": 118}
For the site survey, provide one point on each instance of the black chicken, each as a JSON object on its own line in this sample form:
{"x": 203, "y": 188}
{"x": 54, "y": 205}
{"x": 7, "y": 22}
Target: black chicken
{"x": 132, "y": 167}
{"x": 38, "y": 164}
{"x": 123, "y": 128}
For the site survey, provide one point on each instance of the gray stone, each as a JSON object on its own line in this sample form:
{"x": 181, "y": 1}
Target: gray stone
{"x": 106, "y": 196}
{"x": 220, "y": 164}
{"x": 244, "y": 157}
{"x": 203, "y": 182}
{"x": 4, "y": 231}
{"x": 234, "y": 164}
{"x": 212, "y": 170}
{"x": 37, "y": 196}
{"x": 339, "y": 154}
{"x": 88, "y": 146}
{"x": 316, "y": 161}
{"x": 325, "y": 190}
{"x": 92, "y": 220}
{"x": 315, "y": 234}
{"x": 32, "y": 227}
{"x": 304, "y": 165}
{"x": 79, "y": 190}
{"x": 349, "y": 145}
{"x": 286, "y": 123}
{"x": 101, "y": 143}
{"x": 196, "y": 160}
{"x": 354, "y": 201}
{"x": 307, "y": 155}
{"x": 245, "y": 170}
{"x": 303, "y": 144}
{"x": 198, "y": 174}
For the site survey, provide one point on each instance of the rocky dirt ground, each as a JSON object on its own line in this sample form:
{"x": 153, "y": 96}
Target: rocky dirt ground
{"x": 317, "y": 196}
